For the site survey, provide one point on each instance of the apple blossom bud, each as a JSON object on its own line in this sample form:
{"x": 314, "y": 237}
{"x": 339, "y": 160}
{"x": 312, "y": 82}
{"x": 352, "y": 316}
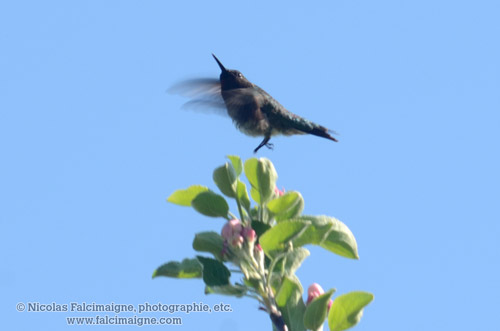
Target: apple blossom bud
{"x": 231, "y": 229}
{"x": 258, "y": 255}
{"x": 231, "y": 232}
{"x": 314, "y": 291}
{"x": 278, "y": 192}
{"x": 249, "y": 234}
{"x": 237, "y": 241}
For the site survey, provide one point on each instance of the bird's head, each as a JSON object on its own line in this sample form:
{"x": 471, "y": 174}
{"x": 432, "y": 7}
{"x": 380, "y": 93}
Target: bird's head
{"x": 231, "y": 79}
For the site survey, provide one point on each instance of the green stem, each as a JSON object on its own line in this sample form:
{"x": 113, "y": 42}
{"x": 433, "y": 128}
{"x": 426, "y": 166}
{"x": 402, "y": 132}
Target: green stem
{"x": 273, "y": 265}
{"x": 239, "y": 209}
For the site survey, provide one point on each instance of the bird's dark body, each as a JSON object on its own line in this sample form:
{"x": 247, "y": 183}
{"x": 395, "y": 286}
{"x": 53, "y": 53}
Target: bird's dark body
{"x": 255, "y": 112}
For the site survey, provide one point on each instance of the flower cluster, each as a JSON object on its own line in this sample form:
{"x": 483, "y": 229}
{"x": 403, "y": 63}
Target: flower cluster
{"x": 264, "y": 244}
{"x": 235, "y": 234}
{"x": 240, "y": 248}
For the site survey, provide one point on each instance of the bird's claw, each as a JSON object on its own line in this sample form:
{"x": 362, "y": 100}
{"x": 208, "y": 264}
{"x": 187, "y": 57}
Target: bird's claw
{"x": 264, "y": 143}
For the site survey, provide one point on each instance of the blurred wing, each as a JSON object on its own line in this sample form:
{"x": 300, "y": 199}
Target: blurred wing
{"x": 204, "y": 93}
{"x": 196, "y": 87}
{"x": 207, "y": 106}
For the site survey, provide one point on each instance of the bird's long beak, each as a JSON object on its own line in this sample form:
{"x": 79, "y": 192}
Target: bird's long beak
{"x": 220, "y": 64}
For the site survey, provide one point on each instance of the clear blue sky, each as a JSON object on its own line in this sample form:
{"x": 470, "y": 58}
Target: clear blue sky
{"x": 91, "y": 145}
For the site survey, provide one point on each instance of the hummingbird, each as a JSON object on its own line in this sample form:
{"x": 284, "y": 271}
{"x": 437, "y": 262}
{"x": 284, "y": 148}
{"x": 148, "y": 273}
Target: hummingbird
{"x": 253, "y": 110}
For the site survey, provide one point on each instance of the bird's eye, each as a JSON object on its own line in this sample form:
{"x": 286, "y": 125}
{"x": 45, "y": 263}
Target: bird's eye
{"x": 240, "y": 75}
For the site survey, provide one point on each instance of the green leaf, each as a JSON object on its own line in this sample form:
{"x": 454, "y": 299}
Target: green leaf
{"x": 262, "y": 176}
{"x": 210, "y": 204}
{"x": 188, "y": 268}
{"x": 184, "y": 197}
{"x": 233, "y": 290}
{"x": 276, "y": 237}
{"x": 293, "y": 259}
{"x": 210, "y": 242}
{"x": 324, "y": 231}
{"x": 237, "y": 164}
{"x": 225, "y": 179}
{"x": 287, "y": 206}
{"x": 316, "y": 311}
{"x": 254, "y": 193}
{"x": 331, "y": 234}
{"x": 289, "y": 300}
{"x": 289, "y": 286}
{"x": 260, "y": 227}
{"x": 215, "y": 273}
{"x": 347, "y": 309}
{"x": 242, "y": 195}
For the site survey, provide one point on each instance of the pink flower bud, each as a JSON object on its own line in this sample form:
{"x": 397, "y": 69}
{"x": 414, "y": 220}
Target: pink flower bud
{"x": 278, "y": 192}
{"x": 237, "y": 241}
{"x": 314, "y": 291}
{"x": 231, "y": 232}
{"x": 231, "y": 229}
{"x": 249, "y": 234}
{"x": 258, "y": 255}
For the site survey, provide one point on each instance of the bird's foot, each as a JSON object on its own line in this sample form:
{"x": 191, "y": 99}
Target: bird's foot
{"x": 268, "y": 145}
{"x": 264, "y": 143}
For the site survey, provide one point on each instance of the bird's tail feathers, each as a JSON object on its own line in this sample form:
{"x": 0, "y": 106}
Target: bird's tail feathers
{"x": 321, "y": 131}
